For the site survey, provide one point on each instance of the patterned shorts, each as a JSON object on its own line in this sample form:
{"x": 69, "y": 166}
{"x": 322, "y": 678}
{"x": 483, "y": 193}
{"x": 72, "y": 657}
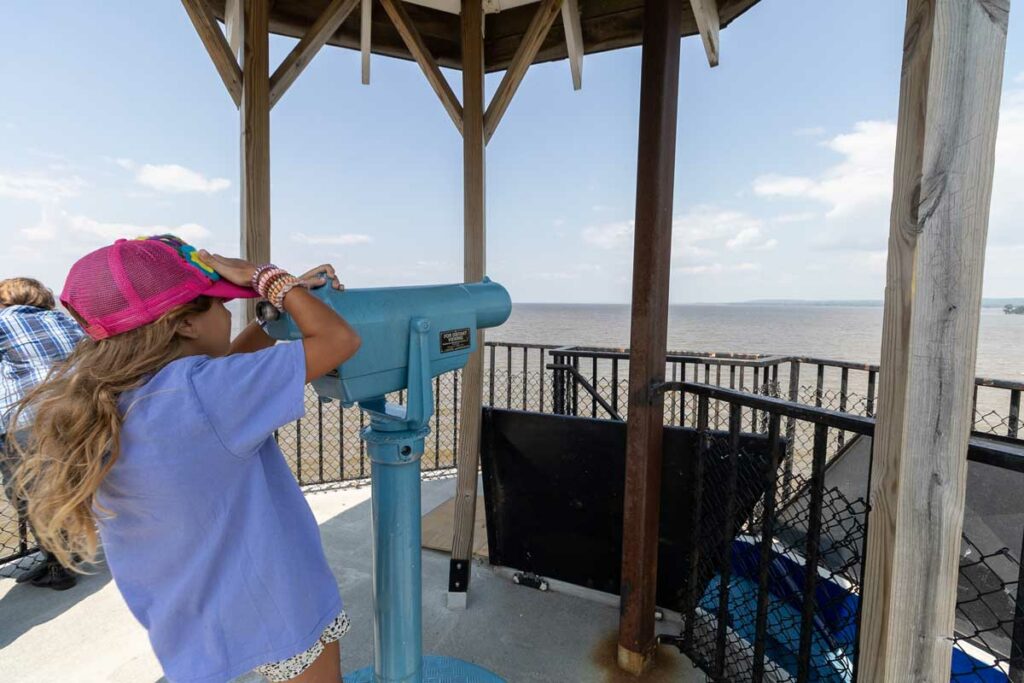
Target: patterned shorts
{"x": 287, "y": 669}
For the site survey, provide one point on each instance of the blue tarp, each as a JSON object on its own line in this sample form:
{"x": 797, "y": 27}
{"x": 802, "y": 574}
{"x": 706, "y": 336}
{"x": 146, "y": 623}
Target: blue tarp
{"x": 833, "y": 637}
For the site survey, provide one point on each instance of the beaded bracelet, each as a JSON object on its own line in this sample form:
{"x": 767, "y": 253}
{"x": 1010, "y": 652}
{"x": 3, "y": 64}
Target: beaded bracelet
{"x": 287, "y": 286}
{"x": 267, "y": 277}
{"x": 267, "y": 280}
{"x": 274, "y": 286}
{"x": 258, "y": 273}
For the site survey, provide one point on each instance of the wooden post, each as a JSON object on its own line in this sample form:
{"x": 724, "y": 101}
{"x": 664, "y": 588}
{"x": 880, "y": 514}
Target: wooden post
{"x": 652, "y": 247}
{"x": 474, "y": 266}
{"x": 949, "y": 105}
{"x": 255, "y": 108}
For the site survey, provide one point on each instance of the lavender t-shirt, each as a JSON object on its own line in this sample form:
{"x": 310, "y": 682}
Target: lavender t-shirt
{"x": 212, "y": 544}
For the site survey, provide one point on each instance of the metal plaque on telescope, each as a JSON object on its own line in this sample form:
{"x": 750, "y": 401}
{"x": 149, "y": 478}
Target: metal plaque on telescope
{"x": 455, "y": 340}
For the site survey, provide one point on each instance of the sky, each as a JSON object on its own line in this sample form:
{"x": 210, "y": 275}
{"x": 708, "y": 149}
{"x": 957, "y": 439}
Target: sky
{"x": 117, "y": 124}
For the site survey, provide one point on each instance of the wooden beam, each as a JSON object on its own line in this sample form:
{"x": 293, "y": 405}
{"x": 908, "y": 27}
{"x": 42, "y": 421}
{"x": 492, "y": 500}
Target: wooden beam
{"x": 538, "y": 29}
{"x": 474, "y": 252}
{"x": 365, "y": 28}
{"x": 573, "y": 40}
{"x": 255, "y": 199}
{"x": 949, "y": 106}
{"x": 652, "y": 247}
{"x": 323, "y": 28}
{"x": 233, "y": 22}
{"x": 216, "y": 45}
{"x": 705, "y": 12}
{"x": 418, "y": 49}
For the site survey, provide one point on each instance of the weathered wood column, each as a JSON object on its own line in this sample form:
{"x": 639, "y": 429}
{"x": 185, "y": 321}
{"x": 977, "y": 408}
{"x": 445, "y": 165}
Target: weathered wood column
{"x": 652, "y": 247}
{"x": 474, "y": 266}
{"x": 255, "y": 143}
{"x": 948, "y": 114}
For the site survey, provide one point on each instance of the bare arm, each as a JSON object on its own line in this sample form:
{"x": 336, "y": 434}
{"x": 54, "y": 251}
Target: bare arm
{"x": 251, "y": 339}
{"x": 327, "y": 340}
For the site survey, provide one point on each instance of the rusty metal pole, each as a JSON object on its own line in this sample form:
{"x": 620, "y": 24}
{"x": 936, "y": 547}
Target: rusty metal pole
{"x": 652, "y": 247}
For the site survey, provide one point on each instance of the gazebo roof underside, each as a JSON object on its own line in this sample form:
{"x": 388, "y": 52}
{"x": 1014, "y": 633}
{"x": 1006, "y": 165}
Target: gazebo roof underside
{"x": 606, "y": 25}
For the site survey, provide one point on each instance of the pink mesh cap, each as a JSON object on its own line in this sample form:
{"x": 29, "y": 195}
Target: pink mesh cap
{"x": 132, "y": 283}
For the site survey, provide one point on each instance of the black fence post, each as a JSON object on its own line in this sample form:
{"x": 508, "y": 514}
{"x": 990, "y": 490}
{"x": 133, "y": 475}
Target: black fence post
{"x": 872, "y": 378}
{"x": 767, "y": 537}
{"x": 1017, "y": 642}
{"x": 490, "y": 373}
{"x": 508, "y": 371}
{"x": 813, "y": 544}
{"x": 526, "y": 373}
{"x": 844, "y": 385}
{"x": 1013, "y": 424}
{"x": 320, "y": 440}
{"x": 725, "y": 547}
{"x": 695, "y": 511}
{"x": 543, "y": 352}
{"x": 794, "y": 397}
{"x": 615, "y": 384}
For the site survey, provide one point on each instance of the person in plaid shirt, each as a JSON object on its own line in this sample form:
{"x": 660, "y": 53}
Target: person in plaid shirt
{"x": 33, "y": 337}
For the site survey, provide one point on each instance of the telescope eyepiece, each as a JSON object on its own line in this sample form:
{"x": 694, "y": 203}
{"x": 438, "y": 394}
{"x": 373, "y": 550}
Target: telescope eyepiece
{"x": 266, "y": 312}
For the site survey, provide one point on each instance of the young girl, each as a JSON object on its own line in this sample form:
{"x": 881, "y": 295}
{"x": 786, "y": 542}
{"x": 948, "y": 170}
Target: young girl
{"x": 159, "y": 431}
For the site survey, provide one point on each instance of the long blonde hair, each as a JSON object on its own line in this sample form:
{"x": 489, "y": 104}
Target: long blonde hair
{"x": 75, "y": 437}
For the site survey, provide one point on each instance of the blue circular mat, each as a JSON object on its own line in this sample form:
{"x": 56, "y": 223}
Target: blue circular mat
{"x": 438, "y": 670}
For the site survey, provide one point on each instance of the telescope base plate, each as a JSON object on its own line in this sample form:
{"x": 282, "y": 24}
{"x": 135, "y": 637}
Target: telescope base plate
{"x": 437, "y": 670}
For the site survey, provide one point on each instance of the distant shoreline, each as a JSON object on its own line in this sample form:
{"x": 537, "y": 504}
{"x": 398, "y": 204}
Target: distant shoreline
{"x": 852, "y": 303}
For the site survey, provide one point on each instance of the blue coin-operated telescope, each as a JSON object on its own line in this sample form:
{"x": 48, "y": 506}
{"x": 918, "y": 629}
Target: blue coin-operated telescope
{"x": 409, "y": 336}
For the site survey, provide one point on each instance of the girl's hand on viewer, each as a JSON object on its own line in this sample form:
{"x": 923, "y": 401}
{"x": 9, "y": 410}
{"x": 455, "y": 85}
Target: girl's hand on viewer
{"x": 315, "y": 277}
{"x": 235, "y": 270}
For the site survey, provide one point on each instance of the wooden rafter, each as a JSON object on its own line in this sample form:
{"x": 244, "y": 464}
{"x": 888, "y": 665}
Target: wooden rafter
{"x": 217, "y": 45}
{"x": 322, "y": 29}
{"x": 524, "y": 56}
{"x": 573, "y": 40}
{"x": 365, "y": 23}
{"x": 233, "y": 10}
{"x": 414, "y": 42}
{"x": 706, "y": 14}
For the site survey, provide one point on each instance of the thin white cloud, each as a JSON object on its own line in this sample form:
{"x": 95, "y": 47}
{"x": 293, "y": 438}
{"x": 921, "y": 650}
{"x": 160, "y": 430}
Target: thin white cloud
{"x": 708, "y": 223}
{"x": 40, "y": 187}
{"x": 54, "y": 226}
{"x": 697, "y": 235}
{"x": 175, "y": 179}
{"x": 719, "y": 268}
{"x": 863, "y": 177}
{"x": 750, "y": 238}
{"x": 610, "y": 235}
{"x": 575, "y": 272}
{"x": 333, "y": 240}
{"x": 190, "y": 232}
{"x": 799, "y": 217}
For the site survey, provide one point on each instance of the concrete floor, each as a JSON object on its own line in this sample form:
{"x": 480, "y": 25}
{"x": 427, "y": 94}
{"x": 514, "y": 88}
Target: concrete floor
{"x": 87, "y": 634}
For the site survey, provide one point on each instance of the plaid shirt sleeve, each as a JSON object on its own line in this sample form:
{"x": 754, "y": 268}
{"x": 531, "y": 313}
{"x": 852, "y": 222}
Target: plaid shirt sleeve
{"x": 32, "y": 340}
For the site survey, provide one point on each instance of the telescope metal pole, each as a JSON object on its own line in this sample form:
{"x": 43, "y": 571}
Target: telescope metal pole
{"x": 397, "y": 568}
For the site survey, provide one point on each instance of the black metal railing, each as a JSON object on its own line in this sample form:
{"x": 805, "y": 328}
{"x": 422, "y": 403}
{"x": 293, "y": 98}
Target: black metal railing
{"x": 776, "y": 595}
{"x": 324, "y": 447}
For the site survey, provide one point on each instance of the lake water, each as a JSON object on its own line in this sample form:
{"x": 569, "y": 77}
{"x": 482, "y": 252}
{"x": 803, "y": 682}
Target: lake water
{"x": 851, "y": 333}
